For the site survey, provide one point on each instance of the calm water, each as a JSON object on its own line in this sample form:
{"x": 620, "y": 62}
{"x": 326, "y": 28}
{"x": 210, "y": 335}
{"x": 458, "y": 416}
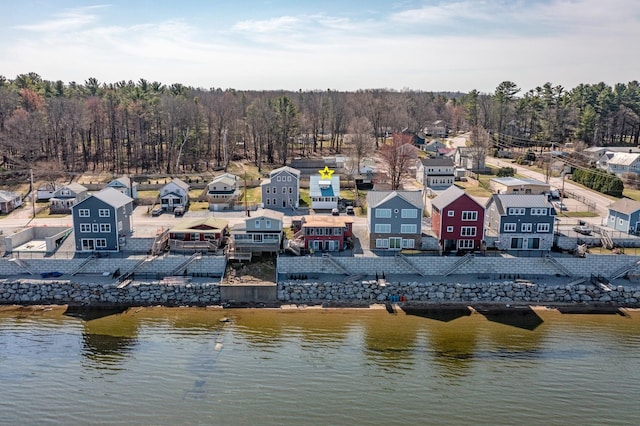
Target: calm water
{"x": 185, "y": 366}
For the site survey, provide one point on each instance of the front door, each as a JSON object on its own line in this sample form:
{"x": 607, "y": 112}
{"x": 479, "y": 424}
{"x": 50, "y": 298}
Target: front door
{"x": 395, "y": 243}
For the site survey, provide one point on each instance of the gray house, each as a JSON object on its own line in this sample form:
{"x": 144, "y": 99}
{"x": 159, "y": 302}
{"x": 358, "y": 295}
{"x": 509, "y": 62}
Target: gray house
{"x": 223, "y": 192}
{"x": 282, "y": 189}
{"x": 260, "y": 233}
{"x": 101, "y": 219}
{"x": 394, "y": 219}
{"x": 126, "y": 185}
{"x": 521, "y": 222}
{"x": 66, "y": 197}
{"x": 624, "y": 216}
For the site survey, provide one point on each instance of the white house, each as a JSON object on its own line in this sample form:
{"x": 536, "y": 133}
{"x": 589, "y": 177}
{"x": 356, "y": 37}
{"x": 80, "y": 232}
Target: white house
{"x": 126, "y": 185}
{"x": 624, "y": 162}
{"x": 435, "y": 172}
{"x": 324, "y": 190}
{"x": 174, "y": 194}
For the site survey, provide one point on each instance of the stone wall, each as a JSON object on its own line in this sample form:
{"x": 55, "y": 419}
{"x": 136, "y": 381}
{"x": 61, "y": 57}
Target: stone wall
{"x": 495, "y": 292}
{"x": 135, "y": 294}
{"x": 435, "y": 265}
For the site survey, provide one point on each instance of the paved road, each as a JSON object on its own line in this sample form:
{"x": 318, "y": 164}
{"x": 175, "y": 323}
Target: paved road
{"x": 602, "y": 202}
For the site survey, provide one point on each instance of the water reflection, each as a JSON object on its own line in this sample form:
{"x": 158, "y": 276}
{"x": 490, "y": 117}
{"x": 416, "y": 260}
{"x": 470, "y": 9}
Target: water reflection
{"x": 521, "y": 317}
{"x": 390, "y": 340}
{"x": 453, "y": 347}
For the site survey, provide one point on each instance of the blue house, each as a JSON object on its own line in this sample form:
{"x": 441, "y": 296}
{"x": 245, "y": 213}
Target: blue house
{"x": 624, "y": 216}
{"x": 394, "y": 219}
{"x": 521, "y": 222}
{"x": 101, "y": 219}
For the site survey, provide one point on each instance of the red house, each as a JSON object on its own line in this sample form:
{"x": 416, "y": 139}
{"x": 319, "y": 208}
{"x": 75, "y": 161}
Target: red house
{"x": 326, "y": 233}
{"x": 457, "y": 220}
{"x": 204, "y": 233}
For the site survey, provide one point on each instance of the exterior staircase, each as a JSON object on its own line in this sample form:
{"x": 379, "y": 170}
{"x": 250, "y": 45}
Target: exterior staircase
{"x": 558, "y": 266}
{"x": 83, "y": 264}
{"x": 405, "y": 261}
{"x": 606, "y": 240}
{"x": 195, "y": 256}
{"x": 463, "y": 261}
{"x": 333, "y": 262}
{"x": 22, "y": 264}
{"x": 621, "y": 271}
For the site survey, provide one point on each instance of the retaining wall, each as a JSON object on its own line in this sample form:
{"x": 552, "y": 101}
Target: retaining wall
{"x": 435, "y": 265}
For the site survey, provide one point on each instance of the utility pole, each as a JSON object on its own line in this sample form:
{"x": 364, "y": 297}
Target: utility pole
{"x": 33, "y": 195}
{"x": 246, "y": 206}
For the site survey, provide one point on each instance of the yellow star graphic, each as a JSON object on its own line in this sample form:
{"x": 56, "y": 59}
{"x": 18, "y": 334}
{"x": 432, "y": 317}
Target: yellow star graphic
{"x": 326, "y": 173}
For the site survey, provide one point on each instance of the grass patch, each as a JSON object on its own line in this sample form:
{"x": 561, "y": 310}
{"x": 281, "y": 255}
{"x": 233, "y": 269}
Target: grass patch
{"x": 305, "y": 199}
{"x": 45, "y": 214}
{"x": 577, "y": 214}
{"x": 252, "y": 195}
{"x": 634, "y": 194}
{"x": 148, "y": 194}
{"x": 198, "y": 205}
{"x": 472, "y": 188}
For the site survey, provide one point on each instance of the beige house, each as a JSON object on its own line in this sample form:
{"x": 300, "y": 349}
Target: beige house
{"x": 512, "y": 185}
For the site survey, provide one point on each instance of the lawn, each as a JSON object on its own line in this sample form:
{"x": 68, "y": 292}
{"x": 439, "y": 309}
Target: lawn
{"x": 472, "y": 188}
{"x": 305, "y": 199}
{"x": 576, "y": 214}
{"x": 634, "y": 194}
{"x": 253, "y": 195}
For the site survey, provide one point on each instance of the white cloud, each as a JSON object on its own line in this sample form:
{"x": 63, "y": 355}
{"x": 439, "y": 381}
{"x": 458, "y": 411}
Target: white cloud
{"x": 67, "y": 20}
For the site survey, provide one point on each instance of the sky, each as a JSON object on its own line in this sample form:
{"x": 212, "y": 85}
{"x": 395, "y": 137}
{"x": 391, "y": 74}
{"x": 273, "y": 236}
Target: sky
{"x": 349, "y": 45}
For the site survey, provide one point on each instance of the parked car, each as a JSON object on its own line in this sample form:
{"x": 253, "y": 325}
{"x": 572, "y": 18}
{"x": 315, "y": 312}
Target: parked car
{"x": 156, "y": 212}
{"x": 178, "y": 211}
{"x": 350, "y": 210}
{"x": 561, "y": 206}
{"x": 582, "y": 229}
{"x": 335, "y": 212}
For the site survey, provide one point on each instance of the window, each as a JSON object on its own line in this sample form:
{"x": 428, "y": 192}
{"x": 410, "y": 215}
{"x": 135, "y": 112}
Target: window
{"x": 510, "y": 227}
{"x": 104, "y": 212}
{"x": 526, "y": 227}
{"x": 468, "y": 231}
{"x": 469, "y": 215}
{"x": 105, "y": 227}
{"x": 85, "y": 227}
{"x": 408, "y": 243}
{"x": 268, "y": 201}
{"x": 449, "y": 228}
{"x": 383, "y": 228}
{"x": 83, "y": 213}
{"x": 95, "y": 227}
{"x": 267, "y": 224}
{"x": 279, "y": 178}
{"x": 101, "y": 243}
{"x": 408, "y": 229}
{"x": 542, "y": 227}
{"x": 409, "y": 213}
{"x": 520, "y": 211}
{"x": 466, "y": 244}
{"x": 516, "y": 243}
{"x": 284, "y": 190}
{"x": 451, "y": 213}
{"x": 533, "y": 243}
{"x": 383, "y": 213}
{"x": 290, "y": 190}
{"x": 257, "y": 223}
{"x": 621, "y": 222}
{"x": 382, "y": 243}
{"x": 288, "y": 178}
{"x": 538, "y": 212}
{"x": 268, "y": 190}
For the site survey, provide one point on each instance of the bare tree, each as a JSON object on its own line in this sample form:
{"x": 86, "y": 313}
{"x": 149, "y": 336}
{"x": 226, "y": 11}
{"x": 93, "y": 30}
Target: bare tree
{"x": 398, "y": 156}
{"x": 362, "y": 142}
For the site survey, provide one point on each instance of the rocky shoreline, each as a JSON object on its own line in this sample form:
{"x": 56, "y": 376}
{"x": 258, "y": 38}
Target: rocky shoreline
{"x": 29, "y": 291}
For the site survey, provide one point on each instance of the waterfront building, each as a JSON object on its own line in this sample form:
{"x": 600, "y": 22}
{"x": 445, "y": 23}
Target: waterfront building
{"x": 174, "y": 194}
{"x": 624, "y": 216}
{"x": 66, "y": 197}
{"x": 324, "y": 234}
{"x": 521, "y": 222}
{"x": 282, "y": 189}
{"x": 394, "y": 219}
{"x": 102, "y": 220}
{"x": 457, "y": 220}
{"x": 260, "y": 233}
{"x": 223, "y": 191}
{"x": 198, "y": 234}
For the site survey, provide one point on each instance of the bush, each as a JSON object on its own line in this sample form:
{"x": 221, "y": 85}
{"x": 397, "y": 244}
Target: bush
{"x": 506, "y": 172}
{"x": 599, "y": 180}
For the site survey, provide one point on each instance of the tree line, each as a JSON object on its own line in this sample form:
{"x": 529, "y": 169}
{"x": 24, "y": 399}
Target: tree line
{"x": 151, "y": 127}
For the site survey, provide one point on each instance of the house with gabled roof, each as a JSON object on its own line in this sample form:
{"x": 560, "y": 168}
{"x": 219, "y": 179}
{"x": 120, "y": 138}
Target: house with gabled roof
{"x": 470, "y": 158}
{"x": 260, "y": 233}
{"x": 174, "y": 194}
{"x": 9, "y": 201}
{"x": 126, "y": 185}
{"x": 66, "y": 197}
{"x": 282, "y": 189}
{"x": 435, "y": 173}
{"x": 101, "y": 220}
{"x": 521, "y": 222}
{"x": 223, "y": 192}
{"x": 624, "y": 162}
{"x": 624, "y": 216}
{"x": 457, "y": 220}
{"x": 394, "y": 219}
{"x": 198, "y": 234}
